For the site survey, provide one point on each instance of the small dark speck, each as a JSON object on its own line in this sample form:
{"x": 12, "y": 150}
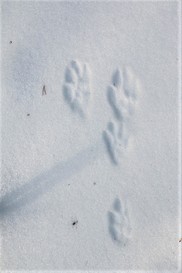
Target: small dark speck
{"x": 10, "y": 42}
{"x": 74, "y": 223}
{"x": 28, "y": 115}
{"x": 68, "y": 184}
{"x": 94, "y": 183}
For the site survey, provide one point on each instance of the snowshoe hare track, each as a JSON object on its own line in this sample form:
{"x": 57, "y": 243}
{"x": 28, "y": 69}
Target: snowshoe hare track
{"x": 119, "y": 224}
{"x": 115, "y": 140}
{"x": 77, "y": 87}
{"x": 122, "y": 93}
{"x": 122, "y": 97}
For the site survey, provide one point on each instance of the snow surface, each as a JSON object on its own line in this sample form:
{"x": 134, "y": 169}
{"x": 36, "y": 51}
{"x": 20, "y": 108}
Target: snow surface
{"x": 90, "y": 136}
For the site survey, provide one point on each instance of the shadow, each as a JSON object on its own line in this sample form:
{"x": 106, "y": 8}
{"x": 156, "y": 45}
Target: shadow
{"x": 44, "y": 182}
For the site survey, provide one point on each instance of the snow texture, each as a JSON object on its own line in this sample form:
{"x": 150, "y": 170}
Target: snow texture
{"x": 90, "y": 136}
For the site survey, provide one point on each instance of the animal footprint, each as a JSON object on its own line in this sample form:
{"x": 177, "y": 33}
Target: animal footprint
{"x": 122, "y": 93}
{"x": 77, "y": 87}
{"x": 116, "y": 138}
{"x": 119, "y": 224}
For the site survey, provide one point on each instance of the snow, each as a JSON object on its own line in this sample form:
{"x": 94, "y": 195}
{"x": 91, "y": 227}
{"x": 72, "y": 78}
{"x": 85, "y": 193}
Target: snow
{"x": 90, "y": 136}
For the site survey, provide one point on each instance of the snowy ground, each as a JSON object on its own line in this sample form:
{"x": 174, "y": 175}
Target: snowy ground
{"x": 90, "y": 114}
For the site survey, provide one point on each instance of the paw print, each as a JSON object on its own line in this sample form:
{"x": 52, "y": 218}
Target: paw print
{"x": 122, "y": 93}
{"x": 119, "y": 223}
{"x": 77, "y": 87}
{"x": 115, "y": 137}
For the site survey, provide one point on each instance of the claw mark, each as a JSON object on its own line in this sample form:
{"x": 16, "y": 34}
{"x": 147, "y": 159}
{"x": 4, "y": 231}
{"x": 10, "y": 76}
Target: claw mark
{"x": 119, "y": 224}
{"x": 77, "y": 87}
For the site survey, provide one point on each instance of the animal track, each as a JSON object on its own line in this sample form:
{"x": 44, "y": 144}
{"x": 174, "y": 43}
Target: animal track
{"x": 116, "y": 140}
{"x": 122, "y": 96}
{"x": 119, "y": 224}
{"x": 77, "y": 87}
{"x": 122, "y": 93}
